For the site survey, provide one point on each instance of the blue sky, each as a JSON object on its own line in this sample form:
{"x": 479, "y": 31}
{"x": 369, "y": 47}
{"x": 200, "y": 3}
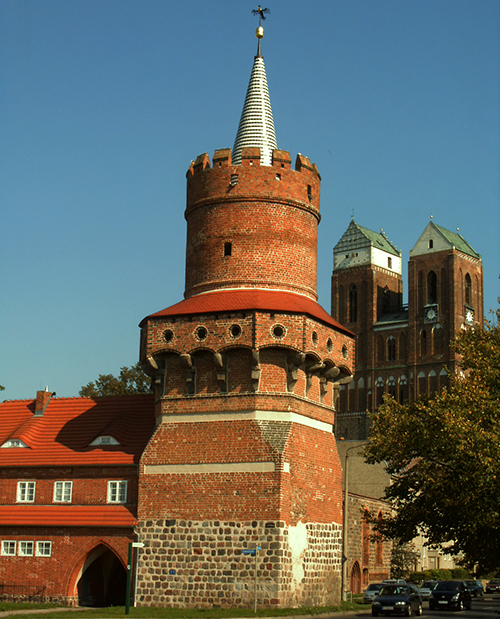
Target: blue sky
{"x": 104, "y": 105}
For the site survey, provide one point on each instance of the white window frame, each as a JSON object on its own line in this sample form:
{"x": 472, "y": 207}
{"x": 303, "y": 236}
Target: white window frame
{"x": 117, "y": 491}
{"x": 9, "y": 548}
{"x": 44, "y": 548}
{"x": 26, "y": 491}
{"x": 63, "y": 491}
{"x": 26, "y": 548}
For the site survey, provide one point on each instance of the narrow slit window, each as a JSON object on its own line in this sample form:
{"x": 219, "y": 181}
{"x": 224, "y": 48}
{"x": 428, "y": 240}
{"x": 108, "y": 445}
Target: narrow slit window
{"x": 228, "y": 248}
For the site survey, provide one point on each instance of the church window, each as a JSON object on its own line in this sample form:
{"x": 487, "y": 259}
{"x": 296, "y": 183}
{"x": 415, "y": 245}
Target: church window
{"x": 431, "y": 287}
{"x": 380, "y": 390}
{"x": 422, "y": 384}
{"x": 443, "y": 379}
{"x": 309, "y": 192}
{"x": 391, "y": 386}
{"x": 353, "y": 303}
{"x": 431, "y": 243}
{"x": 278, "y": 176}
{"x": 468, "y": 290}
{"x": 168, "y": 335}
{"x": 228, "y": 247}
{"x": 403, "y": 389}
{"x": 423, "y": 343}
{"x": 391, "y": 348}
{"x": 433, "y": 382}
{"x": 389, "y": 262}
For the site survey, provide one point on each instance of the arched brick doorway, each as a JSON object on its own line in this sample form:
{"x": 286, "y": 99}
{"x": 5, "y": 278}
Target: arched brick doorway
{"x": 356, "y": 578}
{"x": 103, "y": 579}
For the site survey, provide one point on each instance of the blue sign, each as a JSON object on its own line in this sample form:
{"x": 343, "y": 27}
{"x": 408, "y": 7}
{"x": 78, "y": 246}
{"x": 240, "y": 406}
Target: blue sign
{"x": 248, "y": 551}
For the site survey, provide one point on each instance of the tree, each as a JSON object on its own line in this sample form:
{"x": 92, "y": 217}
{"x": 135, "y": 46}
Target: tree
{"x": 132, "y": 381}
{"x": 444, "y": 457}
{"x": 403, "y": 559}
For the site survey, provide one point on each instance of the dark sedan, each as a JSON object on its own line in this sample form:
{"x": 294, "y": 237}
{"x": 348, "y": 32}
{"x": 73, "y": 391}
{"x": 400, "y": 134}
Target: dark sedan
{"x": 475, "y": 587}
{"x": 397, "y": 600}
{"x": 450, "y": 594}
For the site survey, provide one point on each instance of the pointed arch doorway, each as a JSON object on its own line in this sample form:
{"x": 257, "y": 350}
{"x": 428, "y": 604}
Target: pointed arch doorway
{"x": 356, "y": 578}
{"x": 103, "y": 579}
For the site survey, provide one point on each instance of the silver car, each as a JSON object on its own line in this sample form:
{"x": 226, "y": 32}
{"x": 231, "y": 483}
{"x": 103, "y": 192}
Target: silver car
{"x": 426, "y": 587}
{"x": 371, "y": 592}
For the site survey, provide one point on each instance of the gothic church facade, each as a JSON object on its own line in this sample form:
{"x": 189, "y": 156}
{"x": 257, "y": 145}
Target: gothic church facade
{"x": 402, "y": 350}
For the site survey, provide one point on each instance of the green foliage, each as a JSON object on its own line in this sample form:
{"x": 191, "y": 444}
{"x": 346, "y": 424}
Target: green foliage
{"x": 403, "y": 558}
{"x": 444, "y": 457}
{"x": 132, "y": 381}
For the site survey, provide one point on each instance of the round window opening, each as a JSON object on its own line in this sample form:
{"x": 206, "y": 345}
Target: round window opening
{"x": 329, "y": 345}
{"x": 235, "y": 330}
{"x": 315, "y": 338}
{"x": 278, "y": 331}
{"x": 201, "y": 333}
{"x": 168, "y": 335}
{"x": 344, "y": 351}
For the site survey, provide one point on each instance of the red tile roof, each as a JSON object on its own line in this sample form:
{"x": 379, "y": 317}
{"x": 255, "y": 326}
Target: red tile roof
{"x": 66, "y": 515}
{"x": 63, "y": 434}
{"x": 242, "y": 299}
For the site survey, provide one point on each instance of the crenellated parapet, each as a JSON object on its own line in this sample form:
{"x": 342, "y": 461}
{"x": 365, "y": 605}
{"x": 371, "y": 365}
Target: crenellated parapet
{"x": 224, "y": 181}
{"x": 252, "y": 225}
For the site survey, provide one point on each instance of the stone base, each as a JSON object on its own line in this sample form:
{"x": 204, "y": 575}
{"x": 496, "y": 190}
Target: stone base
{"x": 188, "y": 564}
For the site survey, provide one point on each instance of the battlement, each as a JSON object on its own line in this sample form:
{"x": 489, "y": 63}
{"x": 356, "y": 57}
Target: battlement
{"x": 278, "y": 182}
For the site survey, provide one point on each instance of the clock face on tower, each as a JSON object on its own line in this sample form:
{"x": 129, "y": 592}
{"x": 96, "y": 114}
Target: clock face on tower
{"x": 431, "y": 313}
{"x": 469, "y": 316}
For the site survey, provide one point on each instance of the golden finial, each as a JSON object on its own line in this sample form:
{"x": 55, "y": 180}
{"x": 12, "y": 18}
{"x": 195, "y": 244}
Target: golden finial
{"x": 259, "y": 33}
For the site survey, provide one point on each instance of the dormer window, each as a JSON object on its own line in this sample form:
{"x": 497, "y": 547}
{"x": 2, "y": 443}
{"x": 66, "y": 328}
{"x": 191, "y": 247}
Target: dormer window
{"x": 104, "y": 440}
{"x": 431, "y": 243}
{"x": 14, "y": 442}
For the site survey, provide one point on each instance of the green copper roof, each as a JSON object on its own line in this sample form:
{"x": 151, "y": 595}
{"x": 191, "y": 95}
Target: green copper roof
{"x": 457, "y": 240}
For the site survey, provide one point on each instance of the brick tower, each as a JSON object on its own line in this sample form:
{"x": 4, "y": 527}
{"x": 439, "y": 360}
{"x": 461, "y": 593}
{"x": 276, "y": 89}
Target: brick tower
{"x": 246, "y": 368}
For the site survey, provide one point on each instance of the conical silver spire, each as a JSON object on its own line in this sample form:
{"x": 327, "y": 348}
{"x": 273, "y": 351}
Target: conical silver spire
{"x": 256, "y": 128}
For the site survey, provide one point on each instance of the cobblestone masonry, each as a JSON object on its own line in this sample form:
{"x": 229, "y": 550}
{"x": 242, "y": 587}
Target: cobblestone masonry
{"x": 200, "y": 564}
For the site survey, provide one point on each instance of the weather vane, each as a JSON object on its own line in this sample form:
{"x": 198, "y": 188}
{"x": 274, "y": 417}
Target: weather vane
{"x": 259, "y": 33}
{"x": 261, "y": 13}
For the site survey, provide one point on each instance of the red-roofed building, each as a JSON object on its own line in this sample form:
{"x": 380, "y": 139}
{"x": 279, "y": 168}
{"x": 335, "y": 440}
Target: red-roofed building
{"x": 69, "y": 494}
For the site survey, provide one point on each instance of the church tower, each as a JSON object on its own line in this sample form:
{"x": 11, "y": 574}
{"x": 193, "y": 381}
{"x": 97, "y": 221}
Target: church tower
{"x": 240, "y": 485}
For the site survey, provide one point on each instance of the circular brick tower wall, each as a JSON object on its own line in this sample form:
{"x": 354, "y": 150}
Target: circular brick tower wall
{"x": 252, "y": 225}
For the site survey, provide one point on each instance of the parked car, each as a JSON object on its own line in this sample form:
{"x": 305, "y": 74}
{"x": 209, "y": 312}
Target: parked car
{"x": 426, "y": 587}
{"x": 475, "y": 587}
{"x": 371, "y": 592}
{"x": 450, "y": 594}
{"x": 493, "y": 586}
{"x": 400, "y": 599}
{"x": 394, "y": 581}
